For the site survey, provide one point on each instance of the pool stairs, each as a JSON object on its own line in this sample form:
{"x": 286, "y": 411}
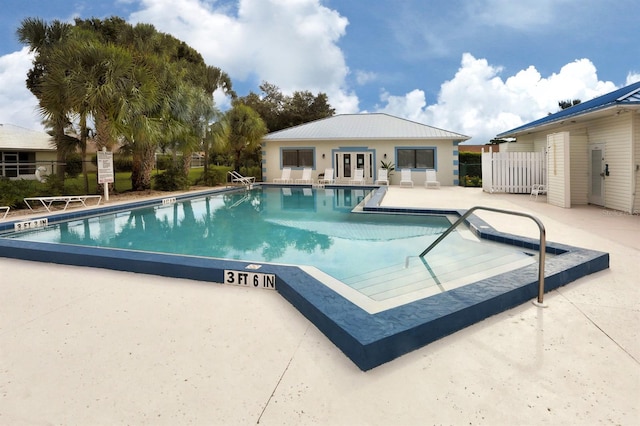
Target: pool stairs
{"x": 442, "y": 270}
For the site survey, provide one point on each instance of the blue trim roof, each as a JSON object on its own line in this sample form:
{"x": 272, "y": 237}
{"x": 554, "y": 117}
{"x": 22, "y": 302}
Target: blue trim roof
{"x": 629, "y": 95}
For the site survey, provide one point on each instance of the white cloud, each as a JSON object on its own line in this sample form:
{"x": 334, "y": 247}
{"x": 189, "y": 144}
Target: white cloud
{"x": 477, "y": 102}
{"x": 365, "y": 77}
{"x": 632, "y": 77}
{"x": 18, "y": 106}
{"x": 289, "y": 43}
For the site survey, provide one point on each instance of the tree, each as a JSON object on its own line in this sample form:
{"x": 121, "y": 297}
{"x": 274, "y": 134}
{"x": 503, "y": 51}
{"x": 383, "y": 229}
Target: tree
{"x": 212, "y": 79}
{"x": 244, "y": 130}
{"x": 568, "y": 103}
{"x": 54, "y": 105}
{"x": 280, "y": 111}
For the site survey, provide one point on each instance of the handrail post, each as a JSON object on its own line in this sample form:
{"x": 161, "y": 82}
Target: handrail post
{"x": 542, "y": 245}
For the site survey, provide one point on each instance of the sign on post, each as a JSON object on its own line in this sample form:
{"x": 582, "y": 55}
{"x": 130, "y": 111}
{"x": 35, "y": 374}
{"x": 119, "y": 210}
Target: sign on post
{"x": 105, "y": 170}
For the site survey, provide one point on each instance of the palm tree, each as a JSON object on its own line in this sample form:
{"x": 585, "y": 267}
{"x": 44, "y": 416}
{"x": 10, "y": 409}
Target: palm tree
{"x": 245, "y": 130}
{"x": 43, "y": 39}
{"x": 213, "y": 78}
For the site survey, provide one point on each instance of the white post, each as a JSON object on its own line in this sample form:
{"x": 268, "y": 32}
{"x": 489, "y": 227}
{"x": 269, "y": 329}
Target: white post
{"x": 106, "y": 184}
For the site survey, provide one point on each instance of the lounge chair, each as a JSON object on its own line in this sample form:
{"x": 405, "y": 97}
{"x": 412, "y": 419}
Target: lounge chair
{"x": 383, "y": 177}
{"x": 431, "y": 180}
{"x": 286, "y": 176}
{"x": 6, "y": 211}
{"x": 328, "y": 177}
{"x": 537, "y": 189}
{"x": 405, "y": 177}
{"x": 358, "y": 179}
{"x": 47, "y": 202}
{"x": 306, "y": 176}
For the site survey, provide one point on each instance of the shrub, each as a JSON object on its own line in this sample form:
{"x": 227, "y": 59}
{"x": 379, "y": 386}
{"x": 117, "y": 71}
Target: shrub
{"x": 216, "y": 175}
{"x": 122, "y": 163}
{"x": 472, "y": 181}
{"x": 255, "y": 171}
{"x": 164, "y": 162}
{"x": 13, "y": 192}
{"x": 73, "y": 165}
{"x": 172, "y": 179}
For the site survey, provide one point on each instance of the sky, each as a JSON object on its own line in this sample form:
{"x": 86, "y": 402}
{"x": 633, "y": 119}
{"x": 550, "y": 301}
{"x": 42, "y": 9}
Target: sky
{"x": 475, "y": 67}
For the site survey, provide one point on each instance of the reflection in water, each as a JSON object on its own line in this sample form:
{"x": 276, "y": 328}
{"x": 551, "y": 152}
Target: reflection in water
{"x": 295, "y": 226}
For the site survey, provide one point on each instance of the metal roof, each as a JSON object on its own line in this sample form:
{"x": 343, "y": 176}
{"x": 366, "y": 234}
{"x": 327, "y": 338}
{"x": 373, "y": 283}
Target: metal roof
{"x": 626, "y": 96}
{"x": 20, "y": 139}
{"x": 363, "y": 126}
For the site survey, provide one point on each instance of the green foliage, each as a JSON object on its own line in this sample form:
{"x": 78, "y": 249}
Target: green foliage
{"x": 122, "y": 163}
{"x": 280, "y": 111}
{"x": 472, "y": 181}
{"x": 215, "y": 175}
{"x": 467, "y": 157}
{"x": 73, "y": 165}
{"x": 255, "y": 171}
{"x": 163, "y": 162}
{"x": 470, "y": 168}
{"x": 172, "y": 179}
{"x": 13, "y": 192}
{"x": 388, "y": 166}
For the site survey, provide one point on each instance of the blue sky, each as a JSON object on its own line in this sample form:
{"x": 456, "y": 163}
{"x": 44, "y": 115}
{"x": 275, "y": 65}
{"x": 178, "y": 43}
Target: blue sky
{"x": 477, "y": 67}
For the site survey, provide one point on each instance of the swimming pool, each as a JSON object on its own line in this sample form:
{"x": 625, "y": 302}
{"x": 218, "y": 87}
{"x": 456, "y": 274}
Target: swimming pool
{"x": 369, "y": 336}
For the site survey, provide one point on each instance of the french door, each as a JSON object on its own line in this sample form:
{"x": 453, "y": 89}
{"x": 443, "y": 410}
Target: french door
{"x": 347, "y": 162}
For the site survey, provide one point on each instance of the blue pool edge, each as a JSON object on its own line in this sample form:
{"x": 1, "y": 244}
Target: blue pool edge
{"x": 369, "y": 340}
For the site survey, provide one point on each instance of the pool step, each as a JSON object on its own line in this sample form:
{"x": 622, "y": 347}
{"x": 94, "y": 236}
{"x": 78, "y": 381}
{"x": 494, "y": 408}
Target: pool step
{"x": 444, "y": 270}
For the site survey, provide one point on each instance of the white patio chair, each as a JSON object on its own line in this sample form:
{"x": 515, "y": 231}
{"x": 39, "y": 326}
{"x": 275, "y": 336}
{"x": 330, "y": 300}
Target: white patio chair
{"x": 431, "y": 180}
{"x": 538, "y": 189}
{"x": 383, "y": 177}
{"x": 306, "y": 176}
{"x": 358, "y": 178}
{"x": 286, "y": 176}
{"x": 328, "y": 177}
{"x": 405, "y": 177}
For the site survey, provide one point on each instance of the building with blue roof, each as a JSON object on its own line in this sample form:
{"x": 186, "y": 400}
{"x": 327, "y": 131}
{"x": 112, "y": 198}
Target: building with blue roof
{"x": 592, "y": 151}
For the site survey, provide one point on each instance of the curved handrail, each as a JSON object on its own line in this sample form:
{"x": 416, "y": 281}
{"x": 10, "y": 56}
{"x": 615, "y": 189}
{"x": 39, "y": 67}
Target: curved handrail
{"x": 541, "y": 247}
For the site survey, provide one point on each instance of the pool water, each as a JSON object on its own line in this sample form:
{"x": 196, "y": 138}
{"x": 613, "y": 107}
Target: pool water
{"x": 290, "y": 226}
{"x": 373, "y": 253}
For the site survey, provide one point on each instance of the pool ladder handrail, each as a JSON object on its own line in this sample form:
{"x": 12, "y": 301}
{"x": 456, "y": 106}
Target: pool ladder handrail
{"x": 542, "y": 245}
{"x": 243, "y": 180}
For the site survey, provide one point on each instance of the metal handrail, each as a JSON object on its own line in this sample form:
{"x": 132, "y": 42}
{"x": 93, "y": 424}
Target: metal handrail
{"x": 237, "y": 177}
{"x": 541, "y": 248}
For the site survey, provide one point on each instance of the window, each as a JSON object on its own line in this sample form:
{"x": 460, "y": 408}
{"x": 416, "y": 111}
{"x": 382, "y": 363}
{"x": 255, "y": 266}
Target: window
{"x": 416, "y": 158}
{"x": 299, "y": 157}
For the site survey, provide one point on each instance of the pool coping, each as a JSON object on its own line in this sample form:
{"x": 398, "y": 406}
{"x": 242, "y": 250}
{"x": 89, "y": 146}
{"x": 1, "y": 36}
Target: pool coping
{"x": 369, "y": 340}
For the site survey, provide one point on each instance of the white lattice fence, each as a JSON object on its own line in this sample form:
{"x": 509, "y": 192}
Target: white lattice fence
{"x": 512, "y": 172}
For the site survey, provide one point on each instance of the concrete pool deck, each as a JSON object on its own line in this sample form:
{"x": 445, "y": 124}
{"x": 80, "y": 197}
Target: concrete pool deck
{"x": 92, "y": 346}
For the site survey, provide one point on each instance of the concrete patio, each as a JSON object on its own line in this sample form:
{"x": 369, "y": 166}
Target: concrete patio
{"x": 100, "y": 347}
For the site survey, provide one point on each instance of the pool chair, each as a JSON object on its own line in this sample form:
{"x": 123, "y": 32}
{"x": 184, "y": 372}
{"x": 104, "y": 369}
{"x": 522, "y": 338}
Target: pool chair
{"x": 431, "y": 180}
{"x": 358, "y": 179}
{"x": 537, "y": 189}
{"x": 286, "y": 176}
{"x": 306, "y": 176}
{"x": 405, "y": 177}
{"x": 383, "y": 177}
{"x": 6, "y": 211}
{"x": 328, "y": 177}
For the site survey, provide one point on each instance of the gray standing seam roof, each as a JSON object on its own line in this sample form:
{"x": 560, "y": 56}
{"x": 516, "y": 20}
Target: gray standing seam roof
{"x": 628, "y": 95}
{"x": 363, "y": 126}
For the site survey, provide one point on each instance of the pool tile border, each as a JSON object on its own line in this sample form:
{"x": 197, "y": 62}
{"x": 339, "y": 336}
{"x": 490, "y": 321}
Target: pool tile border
{"x": 369, "y": 340}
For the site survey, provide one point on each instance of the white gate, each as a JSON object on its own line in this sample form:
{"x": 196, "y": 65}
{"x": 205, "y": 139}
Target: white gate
{"x": 512, "y": 172}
